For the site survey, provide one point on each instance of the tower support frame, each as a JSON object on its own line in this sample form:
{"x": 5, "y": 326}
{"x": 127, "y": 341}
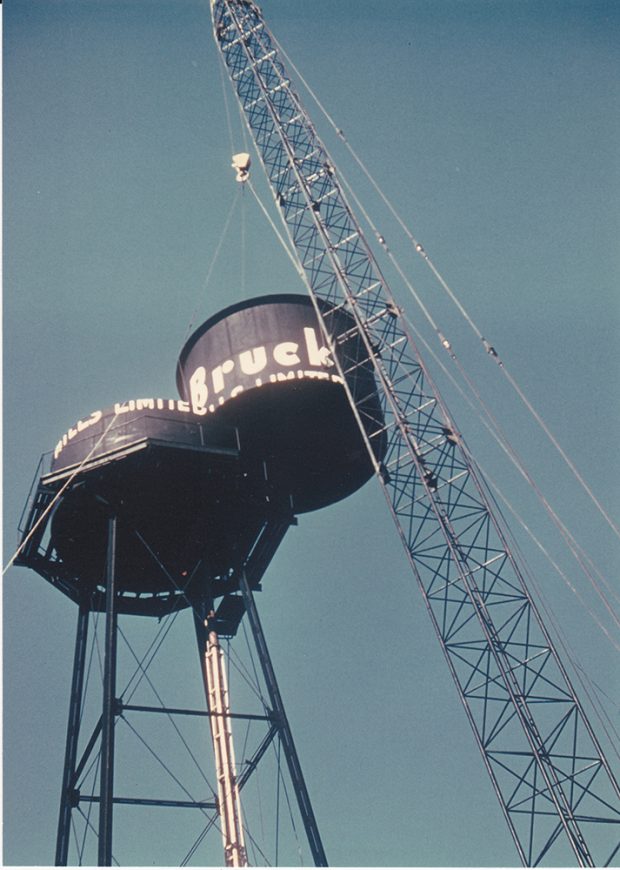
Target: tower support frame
{"x": 106, "y": 803}
{"x": 281, "y": 720}
{"x": 73, "y": 733}
{"x": 228, "y": 806}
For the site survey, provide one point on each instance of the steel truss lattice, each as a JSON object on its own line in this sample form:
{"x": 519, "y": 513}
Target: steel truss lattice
{"x": 547, "y": 768}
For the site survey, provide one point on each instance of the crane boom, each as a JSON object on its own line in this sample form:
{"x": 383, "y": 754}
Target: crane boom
{"x": 548, "y": 770}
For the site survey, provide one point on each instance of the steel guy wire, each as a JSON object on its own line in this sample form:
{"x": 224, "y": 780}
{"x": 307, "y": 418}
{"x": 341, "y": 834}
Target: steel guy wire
{"x": 571, "y": 543}
{"x": 214, "y": 258}
{"x": 499, "y": 441}
{"x": 67, "y": 483}
{"x": 488, "y": 347}
{"x": 169, "y": 716}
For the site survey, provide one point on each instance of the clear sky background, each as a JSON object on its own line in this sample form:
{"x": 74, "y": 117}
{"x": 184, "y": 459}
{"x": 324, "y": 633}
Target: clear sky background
{"x": 494, "y": 129}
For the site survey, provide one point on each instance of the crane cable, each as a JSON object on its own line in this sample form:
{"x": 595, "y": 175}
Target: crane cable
{"x": 502, "y": 439}
{"x": 495, "y": 429}
{"x": 578, "y": 552}
{"x": 490, "y": 350}
{"x": 168, "y": 715}
{"x": 291, "y": 255}
{"x": 57, "y": 496}
{"x": 581, "y": 675}
{"x": 497, "y": 438}
{"x": 226, "y": 224}
{"x": 211, "y": 266}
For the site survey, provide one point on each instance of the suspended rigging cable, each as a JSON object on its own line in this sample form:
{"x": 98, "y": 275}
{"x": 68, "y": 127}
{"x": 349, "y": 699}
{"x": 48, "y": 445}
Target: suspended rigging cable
{"x": 598, "y": 691}
{"x": 257, "y": 682}
{"x": 497, "y": 436}
{"x": 90, "y": 806}
{"x": 163, "y": 764}
{"x": 155, "y": 646}
{"x": 89, "y": 825}
{"x": 244, "y": 133}
{"x": 501, "y": 437}
{"x": 487, "y": 479}
{"x": 214, "y": 258}
{"x": 162, "y": 632}
{"x": 288, "y": 803}
{"x": 490, "y": 350}
{"x": 504, "y": 442}
{"x": 221, "y": 68}
{"x": 172, "y": 721}
{"x": 88, "y": 668}
{"x": 292, "y": 257}
{"x": 495, "y": 429}
{"x": 243, "y": 672}
{"x": 242, "y": 243}
{"x": 577, "y": 551}
{"x": 587, "y": 684}
{"x": 56, "y": 497}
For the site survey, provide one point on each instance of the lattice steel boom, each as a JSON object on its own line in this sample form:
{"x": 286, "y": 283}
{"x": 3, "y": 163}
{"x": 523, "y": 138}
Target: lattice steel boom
{"x": 553, "y": 782}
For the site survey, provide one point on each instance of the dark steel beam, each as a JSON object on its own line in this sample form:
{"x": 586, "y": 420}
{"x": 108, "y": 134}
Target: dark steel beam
{"x": 152, "y": 802}
{"x": 179, "y": 711}
{"x": 281, "y": 722}
{"x": 73, "y": 732}
{"x": 109, "y": 705}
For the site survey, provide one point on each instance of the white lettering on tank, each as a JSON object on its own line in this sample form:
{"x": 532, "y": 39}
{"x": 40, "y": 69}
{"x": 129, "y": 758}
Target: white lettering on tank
{"x": 317, "y": 356}
{"x": 285, "y": 353}
{"x": 145, "y": 403}
{"x": 160, "y": 404}
{"x": 218, "y": 374}
{"x": 84, "y": 424}
{"x": 253, "y": 361}
{"x": 236, "y": 390}
{"x": 120, "y": 408}
{"x": 198, "y": 391}
{"x": 183, "y": 406}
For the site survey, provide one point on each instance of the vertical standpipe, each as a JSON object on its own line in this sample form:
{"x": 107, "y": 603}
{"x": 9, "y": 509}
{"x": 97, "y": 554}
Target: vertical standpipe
{"x": 221, "y": 733}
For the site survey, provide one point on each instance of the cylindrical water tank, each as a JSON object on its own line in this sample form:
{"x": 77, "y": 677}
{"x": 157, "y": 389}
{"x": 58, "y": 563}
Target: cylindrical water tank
{"x": 264, "y": 367}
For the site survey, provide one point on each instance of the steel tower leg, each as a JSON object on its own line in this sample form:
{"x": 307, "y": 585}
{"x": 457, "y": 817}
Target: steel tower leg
{"x": 303, "y": 799}
{"x": 109, "y": 705}
{"x": 73, "y": 733}
{"x": 216, "y": 689}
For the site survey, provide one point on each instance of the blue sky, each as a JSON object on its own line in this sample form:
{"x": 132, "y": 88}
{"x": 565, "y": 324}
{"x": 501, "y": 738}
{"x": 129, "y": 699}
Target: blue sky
{"x": 493, "y": 128}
